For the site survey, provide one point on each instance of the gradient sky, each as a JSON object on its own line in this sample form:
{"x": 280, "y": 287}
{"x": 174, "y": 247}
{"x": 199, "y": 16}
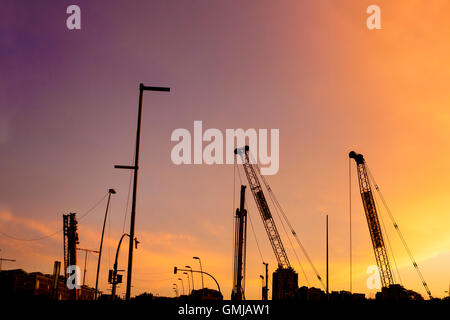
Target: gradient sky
{"x": 68, "y": 106}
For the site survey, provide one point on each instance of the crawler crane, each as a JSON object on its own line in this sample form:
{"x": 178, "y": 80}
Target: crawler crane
{"x": 285, "y": 279}
{"x": 381, "y": 255}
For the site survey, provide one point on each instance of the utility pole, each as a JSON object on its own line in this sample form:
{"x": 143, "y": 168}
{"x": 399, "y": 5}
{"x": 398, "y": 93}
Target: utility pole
{"x": 110, "y": 192}
{"x": 85, "y": 262}
{"x": 328, "y": 292}
{"x": 142, "y": 88}
{"x": 350, "y": 222}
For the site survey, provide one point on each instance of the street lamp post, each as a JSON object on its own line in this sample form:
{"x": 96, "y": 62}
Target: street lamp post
{"x": 189, "y": 282}
{"x": 114, "y": 276}
{"x": 85, "y": 261}
{"x": 201, "y": 269}
{"x": 182, "y": 284}
{"x": 110, "y": 192}
{"x": 192, "y": 277}
{"x": 135, "y": 167}
{"x": 176, "y": 288}
{"x": 176, "y": 269}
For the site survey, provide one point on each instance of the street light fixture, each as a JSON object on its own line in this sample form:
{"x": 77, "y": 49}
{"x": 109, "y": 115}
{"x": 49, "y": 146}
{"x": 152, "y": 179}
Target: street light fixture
{"x": 176, "y": 287}
{"x": 189, "y": 282}
{"x": 192, "y": 276}
{"x": 201, "y": 269}
{"x": 85, "y": 261}
{"x": 182, "y": 284}
{"x": 176, "y": 269}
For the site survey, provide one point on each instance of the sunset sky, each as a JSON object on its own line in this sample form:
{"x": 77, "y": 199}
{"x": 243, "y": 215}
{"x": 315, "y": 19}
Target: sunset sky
{"x": 312, "y": 69}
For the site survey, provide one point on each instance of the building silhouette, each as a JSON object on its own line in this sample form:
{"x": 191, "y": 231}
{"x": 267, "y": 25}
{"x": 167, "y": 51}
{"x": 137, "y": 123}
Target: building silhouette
{"x": 19, "y": 284}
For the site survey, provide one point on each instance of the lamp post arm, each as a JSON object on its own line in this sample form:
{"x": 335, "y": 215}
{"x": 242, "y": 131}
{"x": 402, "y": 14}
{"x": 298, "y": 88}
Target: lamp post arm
{"x": 113, "y": 293}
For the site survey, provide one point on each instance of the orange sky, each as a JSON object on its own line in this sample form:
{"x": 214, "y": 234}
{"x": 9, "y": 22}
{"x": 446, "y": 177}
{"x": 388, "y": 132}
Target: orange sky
{"x": 312, "y": 70}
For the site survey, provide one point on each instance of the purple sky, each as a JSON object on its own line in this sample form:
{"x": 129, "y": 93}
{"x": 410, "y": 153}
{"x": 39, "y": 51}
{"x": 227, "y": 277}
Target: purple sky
{"x": 68, "y": 102}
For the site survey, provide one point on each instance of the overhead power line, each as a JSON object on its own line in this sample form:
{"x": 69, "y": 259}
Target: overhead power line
{"x": 56, "y": 232}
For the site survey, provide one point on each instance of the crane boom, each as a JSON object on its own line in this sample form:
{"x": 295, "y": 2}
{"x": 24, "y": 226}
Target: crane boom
{"x": 263, "y": 208}
{"x": 370, "y": 209}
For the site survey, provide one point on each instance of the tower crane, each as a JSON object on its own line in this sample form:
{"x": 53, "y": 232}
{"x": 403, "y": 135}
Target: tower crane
{"x": 381, "y": 255}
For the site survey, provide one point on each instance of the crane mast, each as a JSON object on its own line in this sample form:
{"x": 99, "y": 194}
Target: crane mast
{"x": 240, "y": 244}
{"x": 370, "y": 209}
{"x": 70, "y": 235}
{"x": 263, "y": 208}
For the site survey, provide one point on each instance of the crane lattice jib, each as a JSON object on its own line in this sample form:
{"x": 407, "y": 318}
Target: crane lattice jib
{"x": 370, "y": 209}
{"x": 263, "y": 208}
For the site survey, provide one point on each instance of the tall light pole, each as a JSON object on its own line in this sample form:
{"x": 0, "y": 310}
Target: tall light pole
{"x": 189, "y": 282}
{"x": 192, "y": 277}
{"x": 142, "y": 88}
{"x": 110, "y": 192}
{"x": 200, "y": 261}
{"x": 328, "y": 290}
{"x": 182, "y": 284}
{"x": 85, "y": 261}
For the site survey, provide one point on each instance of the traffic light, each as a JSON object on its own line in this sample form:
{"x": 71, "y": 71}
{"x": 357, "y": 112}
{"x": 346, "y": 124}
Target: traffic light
{"x": 119, "y": 278}
{"x": 110, "y": 276}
